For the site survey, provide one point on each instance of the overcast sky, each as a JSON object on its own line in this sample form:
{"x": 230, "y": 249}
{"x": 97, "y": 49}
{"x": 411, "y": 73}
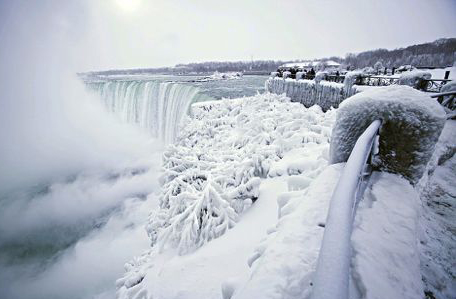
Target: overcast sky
{"x": 108, "y": 34}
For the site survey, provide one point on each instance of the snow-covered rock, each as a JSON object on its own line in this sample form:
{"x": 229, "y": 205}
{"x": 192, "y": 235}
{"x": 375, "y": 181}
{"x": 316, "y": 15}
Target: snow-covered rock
{"x": 414, "y": 79}
{"x": 412, "y": 123}
{"x": 350, "y": 79}
{"x": 321, "y": 76}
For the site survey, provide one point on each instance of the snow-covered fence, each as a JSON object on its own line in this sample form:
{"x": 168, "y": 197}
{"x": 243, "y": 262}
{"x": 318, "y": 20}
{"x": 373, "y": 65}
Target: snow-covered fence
{"x": 332, "y": 274}
{"x": 412, "y": 122}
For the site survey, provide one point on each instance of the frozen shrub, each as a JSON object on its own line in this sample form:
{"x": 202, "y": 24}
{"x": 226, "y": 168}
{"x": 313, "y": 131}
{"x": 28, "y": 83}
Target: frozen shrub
{"x": 415, "y": 79}
{"x": 211, "y": 175}
{"x": 412, "y": 123}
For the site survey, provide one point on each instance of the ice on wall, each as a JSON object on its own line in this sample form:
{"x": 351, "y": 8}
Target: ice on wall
{"x": 308, "y": 92}
{"x": 412, "y": 122}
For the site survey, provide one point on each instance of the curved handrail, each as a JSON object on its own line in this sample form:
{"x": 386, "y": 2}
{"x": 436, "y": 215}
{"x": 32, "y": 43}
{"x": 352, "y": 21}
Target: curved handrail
{"x": 332, "y": 274}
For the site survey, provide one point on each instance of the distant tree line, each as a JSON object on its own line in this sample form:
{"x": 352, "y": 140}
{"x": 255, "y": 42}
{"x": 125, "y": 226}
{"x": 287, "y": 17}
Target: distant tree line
{"x": 440, "y": 53}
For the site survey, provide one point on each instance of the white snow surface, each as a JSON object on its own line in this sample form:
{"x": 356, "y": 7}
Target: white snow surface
{"x": 238, "y": 150}
{"x": 438, "y": 217}
{"x": 284, "y": 263}
{"x": 386, "y": 259}
{"x": 440, "y": 72}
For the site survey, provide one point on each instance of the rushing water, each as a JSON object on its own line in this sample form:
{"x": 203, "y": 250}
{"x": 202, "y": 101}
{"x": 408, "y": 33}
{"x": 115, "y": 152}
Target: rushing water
{"x": 69, "y": 236}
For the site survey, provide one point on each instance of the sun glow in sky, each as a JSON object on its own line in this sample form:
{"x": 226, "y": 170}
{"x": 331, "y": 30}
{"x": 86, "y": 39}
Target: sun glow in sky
{"x": 128, "y": 6}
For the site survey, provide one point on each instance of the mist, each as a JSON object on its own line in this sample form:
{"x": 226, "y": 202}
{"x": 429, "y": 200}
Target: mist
{"x": 75, "y": 182}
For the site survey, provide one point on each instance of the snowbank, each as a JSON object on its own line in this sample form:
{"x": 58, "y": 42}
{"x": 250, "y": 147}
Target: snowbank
{"x": 412, "y": 123}
{"x": 309, "y": 92}
{"x": 438, "y": 214}
{"x": 386, "y": 259}
{"x": 284, "y": 263}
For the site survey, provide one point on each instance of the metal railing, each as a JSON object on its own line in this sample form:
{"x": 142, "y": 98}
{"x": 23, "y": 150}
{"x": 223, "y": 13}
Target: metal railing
{"x": 378, "y": 81}
{"x": 332, "y": 275}
{"x": 434, "y": 85}
{"x": 446, "y": 99}
{"x": 427, "y": 85}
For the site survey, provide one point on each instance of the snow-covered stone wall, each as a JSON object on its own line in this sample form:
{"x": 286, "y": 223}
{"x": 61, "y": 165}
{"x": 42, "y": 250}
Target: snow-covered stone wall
{"x": 310, "y": 92}
{"x": 412, "y": 123}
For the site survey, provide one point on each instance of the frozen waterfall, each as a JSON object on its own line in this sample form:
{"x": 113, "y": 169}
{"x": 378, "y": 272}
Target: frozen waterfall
{"x": 158, "y": 107}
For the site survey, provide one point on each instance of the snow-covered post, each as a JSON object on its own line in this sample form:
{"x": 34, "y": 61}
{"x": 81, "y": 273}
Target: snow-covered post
{"x": 415, "y": 79}
{"x": 412, "y": 123}
{"x": 332, "y": 274}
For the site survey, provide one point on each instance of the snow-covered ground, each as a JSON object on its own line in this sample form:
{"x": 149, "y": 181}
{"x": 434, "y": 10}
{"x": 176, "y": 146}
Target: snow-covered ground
{"x": 438, "y": 214}
{"x": 440, "y": 73}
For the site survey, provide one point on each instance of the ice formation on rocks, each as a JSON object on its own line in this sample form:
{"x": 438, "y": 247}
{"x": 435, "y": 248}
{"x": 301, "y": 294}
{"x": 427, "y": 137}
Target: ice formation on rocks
{"x": 412, "y": 123}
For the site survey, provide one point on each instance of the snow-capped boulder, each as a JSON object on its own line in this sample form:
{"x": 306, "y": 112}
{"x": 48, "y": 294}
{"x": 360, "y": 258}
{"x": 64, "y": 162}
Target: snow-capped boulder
{"x": 412, "y": 123}
{"x": 321, "y": 76}
{"x": 286, "y": 74}
{"x": 350, "y": 79}
{"x": 415, "y": 79}
{"x": 300, "y": 75}
{"x": 274, "y": 74}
